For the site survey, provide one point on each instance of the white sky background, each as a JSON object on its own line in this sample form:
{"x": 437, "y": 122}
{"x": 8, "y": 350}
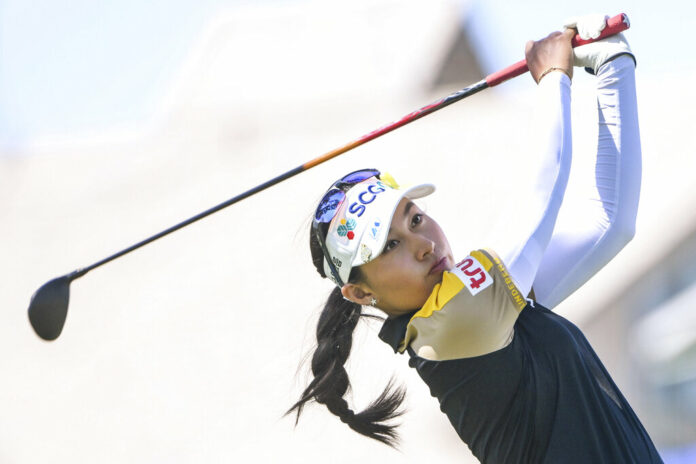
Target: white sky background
{"x": 76, "y": 67}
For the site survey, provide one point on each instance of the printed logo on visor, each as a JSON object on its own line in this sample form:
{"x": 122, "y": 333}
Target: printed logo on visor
{"x": 374, "y": 229}
{"x": 365, "y": 253}
{"x": 366, "y": 197}
{"x": 346, "y": 228}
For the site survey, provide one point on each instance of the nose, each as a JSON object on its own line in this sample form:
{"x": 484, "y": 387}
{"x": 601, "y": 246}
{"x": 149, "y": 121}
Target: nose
{"x": 424, "y": 247}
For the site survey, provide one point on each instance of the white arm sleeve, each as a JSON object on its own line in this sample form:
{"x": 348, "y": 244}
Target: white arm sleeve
{"x": 528, "y": 240}
{"x": 595, "y": 224}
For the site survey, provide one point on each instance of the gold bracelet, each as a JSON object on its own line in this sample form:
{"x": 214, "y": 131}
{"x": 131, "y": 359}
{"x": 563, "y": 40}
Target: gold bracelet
{"x": 553, "y": 68}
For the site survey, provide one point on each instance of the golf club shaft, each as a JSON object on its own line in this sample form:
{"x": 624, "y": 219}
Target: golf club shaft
{"x": 615, "y": 25}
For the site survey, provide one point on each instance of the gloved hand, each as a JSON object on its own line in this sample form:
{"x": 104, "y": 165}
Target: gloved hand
{"x": 594, "y": 55}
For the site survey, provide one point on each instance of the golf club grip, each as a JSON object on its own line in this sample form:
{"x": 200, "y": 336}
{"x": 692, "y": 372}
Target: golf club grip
{"x": 615, "y": 24}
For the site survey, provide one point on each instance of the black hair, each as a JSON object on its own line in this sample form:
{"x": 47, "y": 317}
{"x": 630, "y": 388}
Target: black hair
{"x": 334, "y": 340}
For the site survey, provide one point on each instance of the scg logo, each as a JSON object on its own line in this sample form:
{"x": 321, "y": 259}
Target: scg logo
{"x": 365, "y": 198}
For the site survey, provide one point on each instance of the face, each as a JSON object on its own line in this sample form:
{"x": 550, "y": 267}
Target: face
{"x": 411, "y": 264}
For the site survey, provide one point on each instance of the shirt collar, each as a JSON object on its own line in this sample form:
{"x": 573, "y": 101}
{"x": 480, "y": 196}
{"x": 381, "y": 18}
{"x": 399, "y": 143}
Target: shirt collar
{"x": 394, "y": 329}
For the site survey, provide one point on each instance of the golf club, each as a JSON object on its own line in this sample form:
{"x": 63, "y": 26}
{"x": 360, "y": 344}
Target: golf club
{"x": 48, "y": 307}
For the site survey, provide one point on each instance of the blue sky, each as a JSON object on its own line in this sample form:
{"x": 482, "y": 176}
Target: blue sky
{"x": 80, "y": 66}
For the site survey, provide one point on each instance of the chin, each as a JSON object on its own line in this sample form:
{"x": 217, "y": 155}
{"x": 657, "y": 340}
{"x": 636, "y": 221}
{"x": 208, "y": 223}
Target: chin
{"x": 424, "y": 298}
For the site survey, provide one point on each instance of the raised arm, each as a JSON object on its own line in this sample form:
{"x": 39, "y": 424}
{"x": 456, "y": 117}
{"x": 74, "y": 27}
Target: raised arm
{"x": 555, "y": 253}
{"x": 523, "y": 244}
{"x": 598, "y": 217}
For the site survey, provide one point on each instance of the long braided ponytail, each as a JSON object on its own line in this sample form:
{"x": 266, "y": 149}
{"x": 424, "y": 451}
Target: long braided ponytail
{"x": 334, "y": 341}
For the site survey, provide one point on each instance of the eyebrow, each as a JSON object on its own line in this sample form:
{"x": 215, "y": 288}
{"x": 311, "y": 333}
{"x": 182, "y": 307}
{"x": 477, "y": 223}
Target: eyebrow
{"x": 409, "y": 205}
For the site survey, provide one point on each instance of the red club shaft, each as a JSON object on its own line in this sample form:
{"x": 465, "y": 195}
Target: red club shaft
{"x": 616, "y": 24}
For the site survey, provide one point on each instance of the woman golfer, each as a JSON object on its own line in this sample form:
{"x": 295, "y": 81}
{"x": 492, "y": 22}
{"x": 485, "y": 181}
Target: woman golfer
{"x": 519, "y": 383}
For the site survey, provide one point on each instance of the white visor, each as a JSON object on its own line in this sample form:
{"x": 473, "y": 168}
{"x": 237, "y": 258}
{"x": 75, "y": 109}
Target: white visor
{"x": 358, "y": 232}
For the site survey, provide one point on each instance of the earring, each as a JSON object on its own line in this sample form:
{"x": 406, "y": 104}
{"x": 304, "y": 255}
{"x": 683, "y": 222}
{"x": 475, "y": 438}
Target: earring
{"x": 373, "y": 302}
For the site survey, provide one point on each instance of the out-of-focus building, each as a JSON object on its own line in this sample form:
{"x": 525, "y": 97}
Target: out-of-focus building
{"x": 646, "y": 333}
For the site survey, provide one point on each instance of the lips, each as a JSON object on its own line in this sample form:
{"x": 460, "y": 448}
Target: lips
{"x": 439, "y": 266}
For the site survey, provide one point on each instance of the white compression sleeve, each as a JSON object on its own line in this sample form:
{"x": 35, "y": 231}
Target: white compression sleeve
{"x": 553, "y": 144}
{"x": 590, "y": 231}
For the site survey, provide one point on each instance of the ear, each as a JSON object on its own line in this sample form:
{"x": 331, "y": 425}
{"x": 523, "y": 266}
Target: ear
{"x": 357, "y": 294}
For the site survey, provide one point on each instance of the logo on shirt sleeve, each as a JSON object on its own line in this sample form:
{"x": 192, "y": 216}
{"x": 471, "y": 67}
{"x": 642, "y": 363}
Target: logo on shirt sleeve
{"x": 472, "y": 274}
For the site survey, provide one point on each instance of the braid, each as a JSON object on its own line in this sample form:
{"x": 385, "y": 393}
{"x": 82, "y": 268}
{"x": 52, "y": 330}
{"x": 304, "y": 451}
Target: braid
{"x": 334, "y": 340}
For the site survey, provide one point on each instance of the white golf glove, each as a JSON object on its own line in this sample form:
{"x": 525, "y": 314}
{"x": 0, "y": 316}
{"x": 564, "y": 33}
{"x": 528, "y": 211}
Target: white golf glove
{"x": 594, "y": 55}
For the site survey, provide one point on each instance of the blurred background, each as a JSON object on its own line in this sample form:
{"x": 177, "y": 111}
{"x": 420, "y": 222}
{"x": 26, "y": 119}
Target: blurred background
{"x": 120, "y": 119}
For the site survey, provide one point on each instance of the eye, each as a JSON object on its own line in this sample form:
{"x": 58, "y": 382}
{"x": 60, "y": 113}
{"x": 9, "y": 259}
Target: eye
{"x": 390, "y": 245}
{"x": 416, "y": 219}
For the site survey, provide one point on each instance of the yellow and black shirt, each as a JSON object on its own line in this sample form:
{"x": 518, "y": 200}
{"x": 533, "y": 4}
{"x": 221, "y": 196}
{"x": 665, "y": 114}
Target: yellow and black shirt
{"x": 519, "y": 383}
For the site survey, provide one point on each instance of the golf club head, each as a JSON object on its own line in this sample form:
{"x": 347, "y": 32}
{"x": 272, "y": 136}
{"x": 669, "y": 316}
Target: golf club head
{"x": 48, "y": 307}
